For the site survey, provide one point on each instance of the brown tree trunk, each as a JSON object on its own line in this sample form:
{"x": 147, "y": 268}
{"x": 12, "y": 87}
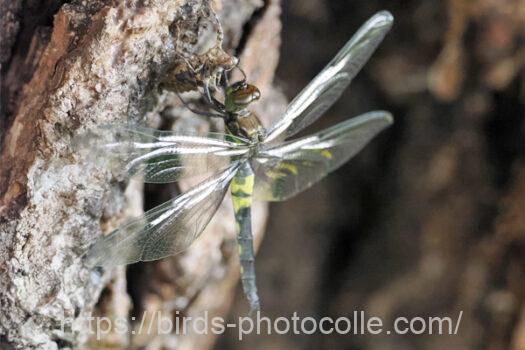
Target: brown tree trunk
{"x": 68, "y": 67}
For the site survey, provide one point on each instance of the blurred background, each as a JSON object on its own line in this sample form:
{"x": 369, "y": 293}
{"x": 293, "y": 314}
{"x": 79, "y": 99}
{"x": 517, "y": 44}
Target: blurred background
{"x": 428, "y": 220}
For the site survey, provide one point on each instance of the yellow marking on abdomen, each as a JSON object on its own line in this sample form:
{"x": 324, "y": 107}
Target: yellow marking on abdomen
{"x": 242, "y": 185}
{"x": 246, "y": 187}
{"x": 241, "y": 202}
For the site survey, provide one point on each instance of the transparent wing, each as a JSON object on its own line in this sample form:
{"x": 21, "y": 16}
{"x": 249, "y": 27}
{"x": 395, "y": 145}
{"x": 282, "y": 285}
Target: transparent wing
{"x": 158, "y": 156}
{"x": 329, "y": 84}
{"x": 165, "y": 230}
{"x": 287, "y": 169}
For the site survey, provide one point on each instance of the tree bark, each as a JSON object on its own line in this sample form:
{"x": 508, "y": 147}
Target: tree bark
{"x": 104, "y": 62}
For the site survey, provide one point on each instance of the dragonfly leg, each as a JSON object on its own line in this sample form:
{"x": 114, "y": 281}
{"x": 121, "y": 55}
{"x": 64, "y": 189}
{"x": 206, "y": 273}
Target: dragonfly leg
{"x": 225, "y": 82}
{"x": 212, "y": 101}
{"x": 197, "y": 111}
{"x": 242, "y": 190}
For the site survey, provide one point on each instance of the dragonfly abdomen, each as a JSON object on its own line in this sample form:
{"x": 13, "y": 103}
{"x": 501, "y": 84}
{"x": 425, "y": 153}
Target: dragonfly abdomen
{"x": 242, "y": 192}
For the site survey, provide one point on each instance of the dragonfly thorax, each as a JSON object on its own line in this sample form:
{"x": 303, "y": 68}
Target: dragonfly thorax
{"x": 246, "y": 125}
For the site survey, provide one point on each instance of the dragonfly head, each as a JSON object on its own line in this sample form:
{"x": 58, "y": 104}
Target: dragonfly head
{"x": 239, "y": 95}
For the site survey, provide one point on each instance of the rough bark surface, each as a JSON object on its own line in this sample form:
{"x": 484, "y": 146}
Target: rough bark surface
{"x": 103, "y": 62}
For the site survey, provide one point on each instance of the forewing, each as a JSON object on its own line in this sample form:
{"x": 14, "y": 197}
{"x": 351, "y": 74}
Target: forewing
{"x": 165, "y": 230}
{"x": 330, "y": 83}
{"x": 285, "y": 170}
{"x": 158, "y": 156}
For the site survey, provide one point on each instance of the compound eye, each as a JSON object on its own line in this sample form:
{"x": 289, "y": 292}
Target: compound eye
{"x": 256, "y": 93}
{"x": 246, "y": 95}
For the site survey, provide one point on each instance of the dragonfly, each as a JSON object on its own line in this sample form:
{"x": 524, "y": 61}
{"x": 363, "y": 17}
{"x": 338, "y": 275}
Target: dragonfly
{"x": 252, "y": 161}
